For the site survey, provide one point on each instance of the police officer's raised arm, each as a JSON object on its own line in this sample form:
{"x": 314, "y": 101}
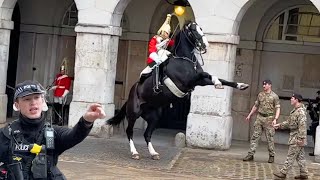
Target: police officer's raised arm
{"x": 67, "y": 138}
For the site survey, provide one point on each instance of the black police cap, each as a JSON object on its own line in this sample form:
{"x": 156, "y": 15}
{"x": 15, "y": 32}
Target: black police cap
{"x": 27, "y": 88}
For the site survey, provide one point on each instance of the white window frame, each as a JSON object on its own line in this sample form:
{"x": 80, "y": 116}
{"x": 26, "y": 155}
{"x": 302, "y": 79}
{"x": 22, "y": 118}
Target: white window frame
{"x": 68, "y": 11}
{"x": 285, "y": 25}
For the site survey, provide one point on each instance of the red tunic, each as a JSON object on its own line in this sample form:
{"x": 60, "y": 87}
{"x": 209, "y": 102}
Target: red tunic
{"x": 152, "y": 47}
{"x": 63, "y": 82}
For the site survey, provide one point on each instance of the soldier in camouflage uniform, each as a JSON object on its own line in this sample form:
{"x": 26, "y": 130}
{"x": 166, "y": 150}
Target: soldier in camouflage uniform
{"x": 297, "y": 123}
{"x": 268, "y": 107}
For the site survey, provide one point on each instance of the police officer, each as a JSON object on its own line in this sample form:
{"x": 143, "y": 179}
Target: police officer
{"x": 27, "y": 150}
{"x": 268, "y": 107}
{"x": 297, "y": 123}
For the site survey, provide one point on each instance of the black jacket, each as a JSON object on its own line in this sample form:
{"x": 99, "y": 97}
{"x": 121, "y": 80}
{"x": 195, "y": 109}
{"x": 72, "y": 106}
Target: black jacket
{"x": 65, "y": 138}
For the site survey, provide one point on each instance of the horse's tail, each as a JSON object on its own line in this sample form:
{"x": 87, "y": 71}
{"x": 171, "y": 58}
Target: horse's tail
{"x": 116, "y": 120}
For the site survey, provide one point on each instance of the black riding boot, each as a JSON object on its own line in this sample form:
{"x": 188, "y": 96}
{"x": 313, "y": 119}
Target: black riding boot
{"x": 144, "y": 77}
{"x": 57, "y": 111}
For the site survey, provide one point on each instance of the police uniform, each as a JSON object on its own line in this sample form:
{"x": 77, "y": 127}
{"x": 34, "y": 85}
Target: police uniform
{"x": 297, "y": 124}
{"x": 266, "y": 104}
{"x": 19, "y": 137}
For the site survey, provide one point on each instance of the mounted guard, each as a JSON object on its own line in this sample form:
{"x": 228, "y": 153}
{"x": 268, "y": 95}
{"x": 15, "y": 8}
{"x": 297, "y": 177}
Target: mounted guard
{"x": 157, "y": 50}
{"x": 180, "y": 75}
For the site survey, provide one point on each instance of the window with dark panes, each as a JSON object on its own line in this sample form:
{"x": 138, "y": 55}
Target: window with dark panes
{"x": 301, "y": 24}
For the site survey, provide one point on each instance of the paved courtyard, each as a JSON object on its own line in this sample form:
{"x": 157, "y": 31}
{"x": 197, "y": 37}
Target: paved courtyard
{"x": 97, "y": 158}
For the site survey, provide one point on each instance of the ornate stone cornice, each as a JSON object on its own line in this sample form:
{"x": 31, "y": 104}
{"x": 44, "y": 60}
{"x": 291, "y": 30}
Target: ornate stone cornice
{"x": 5, "y": 24}
{"x": 223, "y": 38}
{"x": 98, "y": 29}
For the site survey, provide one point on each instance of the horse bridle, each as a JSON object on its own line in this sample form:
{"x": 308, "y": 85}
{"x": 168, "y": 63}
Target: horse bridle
{"x": 197, "y": 42}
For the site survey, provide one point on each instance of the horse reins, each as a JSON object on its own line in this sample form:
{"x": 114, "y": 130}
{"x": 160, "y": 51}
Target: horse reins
{"x": 194, "y": 45}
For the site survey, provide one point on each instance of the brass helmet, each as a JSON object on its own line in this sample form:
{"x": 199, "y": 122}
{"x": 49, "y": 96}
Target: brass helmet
{"x": 64, "y": 65}
{"x": 165, "y": 26}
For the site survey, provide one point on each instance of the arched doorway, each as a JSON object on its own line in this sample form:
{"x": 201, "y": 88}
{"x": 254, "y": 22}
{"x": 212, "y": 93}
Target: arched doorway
{"x": 278, "y": 41}
{"x": 13, "y": 58}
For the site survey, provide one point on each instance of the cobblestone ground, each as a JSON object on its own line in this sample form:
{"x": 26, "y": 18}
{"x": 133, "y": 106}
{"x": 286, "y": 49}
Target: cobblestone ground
{"x": 109, "y": 159}
{"x": 207, "y": 164}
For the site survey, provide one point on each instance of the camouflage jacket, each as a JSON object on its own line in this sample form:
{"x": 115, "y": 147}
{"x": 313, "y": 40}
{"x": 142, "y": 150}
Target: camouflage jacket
{"x": 297, "y": 123}
{"x": 267, "y": 102}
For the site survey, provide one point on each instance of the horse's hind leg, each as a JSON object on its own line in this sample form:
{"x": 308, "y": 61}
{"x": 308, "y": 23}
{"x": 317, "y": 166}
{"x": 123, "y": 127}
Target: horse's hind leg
{"x": 129, "y": 131}
{"x": 152, "y": 118}
{"x": 133, "y": 112}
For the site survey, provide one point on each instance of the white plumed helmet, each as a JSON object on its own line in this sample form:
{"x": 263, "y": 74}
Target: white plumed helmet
{"x": 165, "y": 26}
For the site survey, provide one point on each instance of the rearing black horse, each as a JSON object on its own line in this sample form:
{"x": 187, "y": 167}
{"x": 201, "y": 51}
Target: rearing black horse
{"x": 180, "y": 74}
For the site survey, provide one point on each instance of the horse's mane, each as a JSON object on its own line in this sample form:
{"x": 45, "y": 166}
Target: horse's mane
{"x": 177, "y": 36}
{"x": 187, "y": 22}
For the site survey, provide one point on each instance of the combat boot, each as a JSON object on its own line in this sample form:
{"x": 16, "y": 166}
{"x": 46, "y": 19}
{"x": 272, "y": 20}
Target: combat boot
{"x": 248, "y": 158}
{"x": 301, "y": 177}
{"x": 280, "y": 175}
{"x": 271, "y": 159}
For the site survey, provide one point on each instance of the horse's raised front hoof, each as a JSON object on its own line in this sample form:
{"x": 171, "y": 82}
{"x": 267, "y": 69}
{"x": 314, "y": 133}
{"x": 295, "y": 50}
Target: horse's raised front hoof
{"x": 218, "y": 86}
{"x": 108, "y": 123}
{"x": 155, "y": 157}
{"x": 242, "y": 86}
{"x": 135, "y": 156}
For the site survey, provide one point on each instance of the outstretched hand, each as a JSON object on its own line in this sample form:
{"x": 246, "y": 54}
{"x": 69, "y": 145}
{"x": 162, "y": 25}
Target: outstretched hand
{"x": 248, "y": 118}
{"x": 276, "y": 126}
{"x": 300, "y": 142}
{"x": 94, "y": 112}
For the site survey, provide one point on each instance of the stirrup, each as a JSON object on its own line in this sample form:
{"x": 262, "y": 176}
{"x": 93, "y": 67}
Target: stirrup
{"x": 157, "y": 90}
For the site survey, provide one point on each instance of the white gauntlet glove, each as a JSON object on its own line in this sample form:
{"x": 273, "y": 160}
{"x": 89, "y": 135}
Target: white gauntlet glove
{"x": 162, "y": 44}
{"x": 155, "y": 57}
{"x": 66, "y": 92}
{"x": 53, "y": 88}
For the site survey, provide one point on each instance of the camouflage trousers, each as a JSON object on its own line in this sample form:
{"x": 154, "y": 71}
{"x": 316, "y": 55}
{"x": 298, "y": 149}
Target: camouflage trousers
{"x": 295, "y": 153}
{"x": 262, "y": 124}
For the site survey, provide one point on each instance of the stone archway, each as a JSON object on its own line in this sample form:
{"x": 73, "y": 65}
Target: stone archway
{"x": 252, "y": 56}
{"x": 220, "y": 21}
{"x": 98, "y": 34}
{"x": 210, "y": 124}
{"x": 13, "y": 58}
{"x": 6, "y": 25}
{"x": 6, "y": 8}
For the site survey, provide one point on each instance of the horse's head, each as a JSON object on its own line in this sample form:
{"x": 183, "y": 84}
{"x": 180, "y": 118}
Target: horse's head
{"x": 196, "y": 36}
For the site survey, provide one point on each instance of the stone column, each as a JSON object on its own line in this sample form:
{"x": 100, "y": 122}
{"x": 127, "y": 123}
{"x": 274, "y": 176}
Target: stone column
{"x": 209, "y": 122}
{"x": 95, "y": 71}
{"x": 5, "y": 30}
